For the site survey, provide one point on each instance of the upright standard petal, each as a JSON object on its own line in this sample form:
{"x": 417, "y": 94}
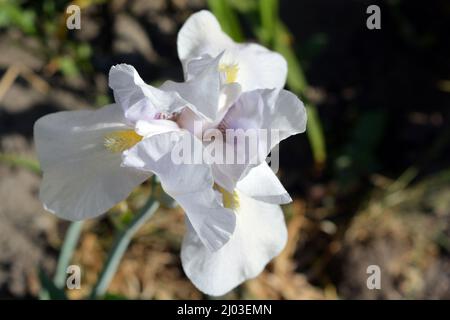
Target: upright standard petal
{"x": 260, "y": 235}
{"x": 227, "y": 95}
{"x": 81, "y": 177}
{"x": 190, "y": 184}
{"x": 201, "y": 34}
{"x": 255, "y": 66}
{"x": 260, "y": 68}
{"x": 202, "y": 91}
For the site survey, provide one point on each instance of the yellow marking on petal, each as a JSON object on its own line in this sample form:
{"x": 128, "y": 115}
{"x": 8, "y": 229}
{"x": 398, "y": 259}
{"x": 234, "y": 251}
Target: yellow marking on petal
{"x": 231, "y": 72}
{"x": 119, "y": 141}
{"x": 230, "y": 200}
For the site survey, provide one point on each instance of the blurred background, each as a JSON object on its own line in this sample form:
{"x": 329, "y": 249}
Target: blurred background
{"x": 370, "y": 179}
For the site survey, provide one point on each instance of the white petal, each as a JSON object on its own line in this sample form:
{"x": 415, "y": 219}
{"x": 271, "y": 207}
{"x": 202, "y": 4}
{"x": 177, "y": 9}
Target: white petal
{"x": 260, "y": 235}
{"x": 81, "y": 178}
{"x": 244, "y": 116}
{"x": 229, "y": 94}
{"x": 248, "y": 111}
{"x": 195, "y": 66}
{"x": 278, "y": 114}
{"x": 227, "y": 97}
{"x": 280, "y": 111}
{"x": 139, "y": 100}
{"x": 262, "y": 184}
{"x": 287, "y": 115}
{"x": 227, "y": 175}
{"x": 187, "y": 119}
{"x": 152, "y": 127}
{"x": 201, "y": 34}
{"x": 260, "y": 68}
{"x": 202, "y": 91}
{"x": 191, "y": 185}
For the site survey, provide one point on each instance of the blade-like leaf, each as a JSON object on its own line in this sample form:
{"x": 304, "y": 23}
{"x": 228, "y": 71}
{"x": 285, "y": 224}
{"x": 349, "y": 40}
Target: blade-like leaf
{"x": 227, "y": 18}
{"x": 19, "y": 161}
{"x": 49, "y": 289}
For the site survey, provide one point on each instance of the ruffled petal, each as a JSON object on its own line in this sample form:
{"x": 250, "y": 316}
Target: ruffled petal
{"x": 138, "y": 100}
{"x": 81, "y": 178}
{"x": 280, "y": 111}
{"x": 190, "y": 184}
{"x": 243, "y": 142}
{"x": 202, "y": 91}
{"x": 262, "y": 184}
{"x": 285, "y": 114}
{"x": 260, "y": 235}
{"x": 201, "y": 37}
{"x": 152, "y": 127}
{"x": 262, "y": 118}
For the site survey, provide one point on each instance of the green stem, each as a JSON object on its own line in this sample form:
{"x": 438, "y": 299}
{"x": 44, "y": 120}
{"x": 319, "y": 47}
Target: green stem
{"x": 119, "y": 247}
{"x": 67, "y": 249}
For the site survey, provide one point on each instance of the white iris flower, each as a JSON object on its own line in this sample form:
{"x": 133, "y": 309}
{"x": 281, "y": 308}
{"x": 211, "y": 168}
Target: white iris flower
{"x": 251, "y": 192}
{"x": 91, "y": 160}
{"x": 250, "y": 97}
{"x": 83, "y": 154}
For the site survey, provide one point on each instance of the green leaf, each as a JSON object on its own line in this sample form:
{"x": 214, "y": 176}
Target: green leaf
{"x": 67, "y": 250}
{"x": 268, "y": 10}
{"x": 68, "y": 66}
{"x": 19, "y": 161}
{"x": 359, "y": 156}
{"x": 102, "y": 100}
{"x": 296, "y": 78}
{"x": 227, "y": 18}
{"x": 49, "y": 289}
{"x": 11, "y": 14}
{"x": 297, "y": 83}
{"x": 315, "y": 135}
{"x": 244, "y": 6}
{"x": 314, "y": 45}
{"x": 112, "y": 296}
{"x": 120, "y": 245}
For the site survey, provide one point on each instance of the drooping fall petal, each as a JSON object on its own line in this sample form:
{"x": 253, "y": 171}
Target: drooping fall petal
{"x": 190, "y": 184}
{"x": 81, "y": 177}
{"x": 260, "y": 235}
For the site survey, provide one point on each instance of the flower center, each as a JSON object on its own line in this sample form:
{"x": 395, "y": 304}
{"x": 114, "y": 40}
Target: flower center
{"x": 119, "y": 141}
{"x": 230, "y": 200}
{"x": 231, "y": 72}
